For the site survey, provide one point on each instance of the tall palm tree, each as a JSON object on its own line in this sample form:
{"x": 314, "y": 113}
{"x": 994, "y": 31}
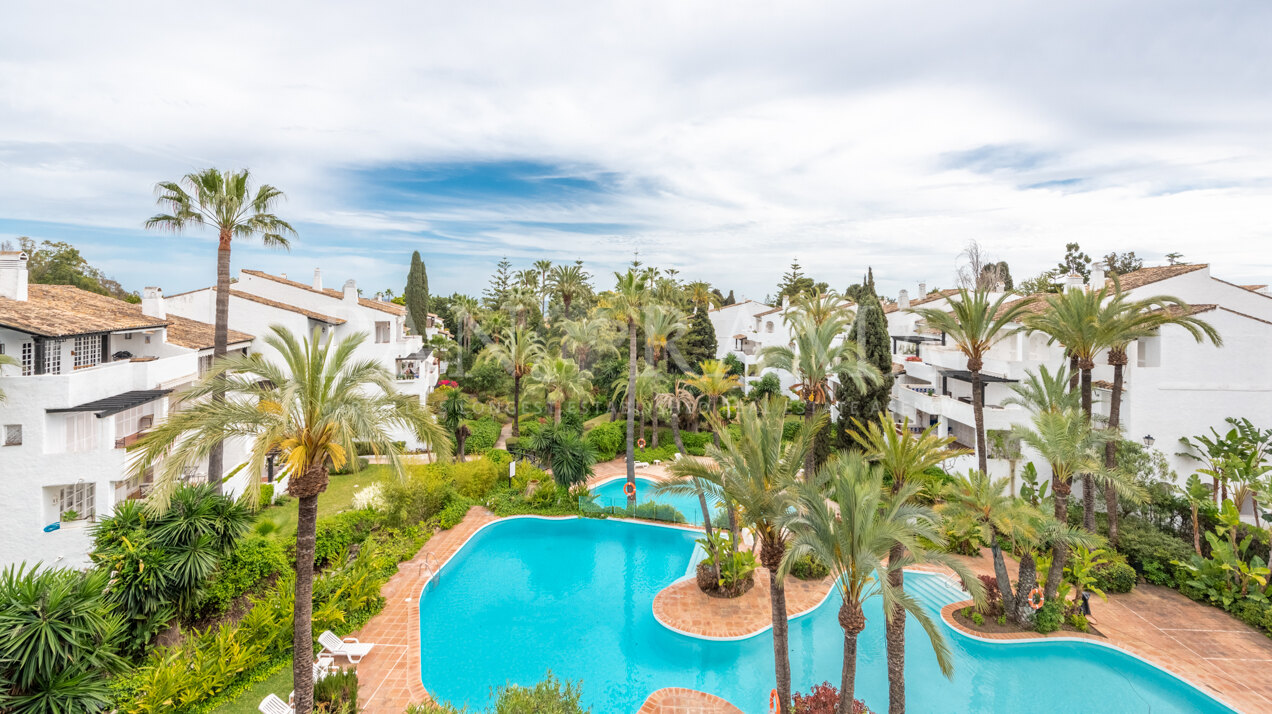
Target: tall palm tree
{"x": 465, "y": 310}
{"x": 1122, "y": 322}
{"x": 843, "y": 518}
{"x": 568, "y": 282}
{"x": 976, "y": 322}
{"x": 714, "y": 381}
{"x": 451, "y": 413}
{"x": 755, "y": 471}
{"x": 544, "y": 267}
{"x": 495, "y": 323}
{"x": 560, "y": 380}
{"x": 311, "y": 409}
{"x": 817, "y": 355}
{"x": 819, "y": 307}
{"x": 700, "y": 295}
{"x": 6, "y": 360}
{"x": 521, "y": 302}
{"x": 587, "y": 337}
{"x": 663, "y": 323}
{"x": 976, "y": 502}
{"x": 904, "y": 457}
{"x": 516, "y": 353}
{"x": 222, "y": 200}
{"x": 625, "y": 305}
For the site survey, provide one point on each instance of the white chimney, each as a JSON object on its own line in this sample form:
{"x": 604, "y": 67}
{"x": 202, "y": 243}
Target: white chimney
{"x": 1072, "y": 281}
{"x": 152, "y": 303}
{"x": 317, "y": 279}
{"x": 283, "y": 275}
{"x": 786, "y": 302}
{"x": 13, "y": 274}
{"x": 922, "y": 290}
{"x": 350, "y": 291}
{"x": 903, "y": 300}
{"x": 1097, "y": 276}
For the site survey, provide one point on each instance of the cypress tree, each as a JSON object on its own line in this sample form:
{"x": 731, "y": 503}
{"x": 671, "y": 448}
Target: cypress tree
{"x": 870, "y": 331}
{"x": 699, "y": 341}
{"x": 416, "y": 295}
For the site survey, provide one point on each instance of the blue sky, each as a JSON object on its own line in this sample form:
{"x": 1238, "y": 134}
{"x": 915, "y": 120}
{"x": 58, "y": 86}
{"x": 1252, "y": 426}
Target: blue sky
{"x": 722, "y": 139}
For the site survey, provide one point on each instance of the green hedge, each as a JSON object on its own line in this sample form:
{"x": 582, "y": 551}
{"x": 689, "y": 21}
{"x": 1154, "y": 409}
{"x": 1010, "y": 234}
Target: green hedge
{"x": 483, "y": 434}
{"x": 252, "y": 562}
{"x": 1150, "y": 551}
{"x": 336, "y": 533}
{"x": 608, "y": 438}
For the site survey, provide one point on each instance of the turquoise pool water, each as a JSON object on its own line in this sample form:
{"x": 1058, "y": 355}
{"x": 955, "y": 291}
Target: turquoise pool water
{"x": 611, "y": 493}
{"x": 576, "y": 596}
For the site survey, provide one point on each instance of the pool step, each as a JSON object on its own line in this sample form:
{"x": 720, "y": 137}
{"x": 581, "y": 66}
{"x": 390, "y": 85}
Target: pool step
{"x": 934, "y": 591}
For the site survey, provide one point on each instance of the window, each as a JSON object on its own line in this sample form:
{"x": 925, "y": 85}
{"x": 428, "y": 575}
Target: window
{"x": 53, "y": 357}
{"x": 81, "y": 432}
{"x": 13, "y": 435}
{"x": 88, "y": 351}
{"x": 768, "y": 327}
{"x": 28, "y": 358}
{"x": 381, "y": 332}
{"x": 76, "y": 501}
{"x": 205, "y": 364}
{"x": 130, "y": 423}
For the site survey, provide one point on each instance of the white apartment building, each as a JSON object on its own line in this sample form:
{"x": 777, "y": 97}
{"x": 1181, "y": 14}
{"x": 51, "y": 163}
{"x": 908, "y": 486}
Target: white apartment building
{"x": 1173, "y": 386}
{"x": 260, "y": 300}
{"x": 93, "y": 374}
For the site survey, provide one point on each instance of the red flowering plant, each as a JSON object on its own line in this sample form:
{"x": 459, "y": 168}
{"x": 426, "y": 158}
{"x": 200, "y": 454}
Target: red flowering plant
{"x": 447, "y": 383}
{"x": 823, "y": 699}
{"x": 914, "y": 358}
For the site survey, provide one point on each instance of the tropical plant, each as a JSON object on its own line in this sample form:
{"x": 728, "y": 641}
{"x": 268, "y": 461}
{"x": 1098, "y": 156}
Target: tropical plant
{"x": 625, "y": 305}
{"x": 311, "y": 409}
{"x": 976, "y": 322}
{"x": 568, "y": 282}
{"x": 1196, "y": 493}
{"x": 818, "y": 354}
{"x": 843, "y": 518}
{"x": 1032, "y": 489}
{"x": 222, "y": 200}
{"x": 586, "y": 338}
{"x": 61, "y": 641}
{"x": 713, "y": 381}
{"x": 566, "y": 452}
{"x": 754, "y": 470}
{"x": 559, "y": 380}
{"x": 451, "y": 413}
{"x": 1002, "y": 445}
{"x": 516, "y": 354}
{"x": 662, "y": 324}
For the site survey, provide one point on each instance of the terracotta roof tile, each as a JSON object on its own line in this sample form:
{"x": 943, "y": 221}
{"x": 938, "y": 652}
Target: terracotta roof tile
{"x": 1145, "y": 276}
{"x": 388, "y": 307}
{"x": 195, "y": 335}
{"x": 284, "y": 306}
{"x": 893, "y": 307}
{"x": 65, "y": 310}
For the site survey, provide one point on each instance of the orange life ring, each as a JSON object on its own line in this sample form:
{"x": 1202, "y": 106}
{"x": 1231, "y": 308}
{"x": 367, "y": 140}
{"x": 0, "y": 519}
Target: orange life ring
{"x": 1035, "y": 599}
{"x": 640, "y": 443}
{"x": 629, "y": 488}
{"x": 774, "y": 703}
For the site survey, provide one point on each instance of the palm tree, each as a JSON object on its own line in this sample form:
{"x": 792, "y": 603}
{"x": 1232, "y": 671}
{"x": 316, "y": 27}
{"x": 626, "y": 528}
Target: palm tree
{"x": 671, "y": 399}
{"x": 224, "y": 201}
{"x": 544, "y": 267}
{"x": 713, "y": 381}
{"x": 625, "y": 305}
{"x": 662, "y": 325}
{"x": 1002, "y": 445}
{"x": 700, "y": 295}
{"x": 560, "y": 380}
{"x": 6, "y": 360}
{"x": 311, "y": 409}
{"x": 1122, "y": 322}
{"x": 465, "y": 309}
{"x": 754, "y": 472}
{"x": 516, "y": 353}
{"x": 494, "y": 323}
{"x": 521, "y": 301}
{"x": 976, "y": 502}
{"x": 843, "y": 519}
{"x": 568, "y": 282}
{"x": 587, "y": 337}
{"x": 451, "y": 412}
{"x": 818, "y": 354}
{"x": 904, "y": 457}
{"x": 1044, "y": 391}
{"x": 819, "y": 307}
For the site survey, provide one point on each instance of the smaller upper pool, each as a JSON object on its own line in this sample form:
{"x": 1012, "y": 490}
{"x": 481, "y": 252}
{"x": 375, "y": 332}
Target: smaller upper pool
{"x": 610, "y": 494}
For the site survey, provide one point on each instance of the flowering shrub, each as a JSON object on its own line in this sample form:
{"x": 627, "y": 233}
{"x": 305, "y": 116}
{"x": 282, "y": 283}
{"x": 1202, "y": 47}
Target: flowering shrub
{"x": 914, "y": 358}
{"x": 823, "y": 699}
{"x": 371, "y": 497}
{"x": 447, "y": 384}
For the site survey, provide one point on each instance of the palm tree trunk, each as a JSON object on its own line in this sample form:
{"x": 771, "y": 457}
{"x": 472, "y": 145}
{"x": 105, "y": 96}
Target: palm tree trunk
{"x": 715, "y": 435}
{"x": 641, "y": 412}
{"x": 220, "y": 342}
{"x": 894, "y": 633}
{"x": 1088, "y": 483}
{"x": 1110, "y": 449}
{"x": 516, "y": 405}
{"x": 1026, "y": 580}
{"x": 853, "y": 622}
{"x": 1059, "y": 552}
{"x": 1003, "y": 578}
{"x": 302, "y": 630}
{"x": 810, "y": 459}
{"x": 556, "y": 413}
{"x": 653, "y": 411}
{"x": 675, "y": 423}
{"x": 771, "y": 555}
{"x": 631, "y": 411}
{"x": 978, "y": 415}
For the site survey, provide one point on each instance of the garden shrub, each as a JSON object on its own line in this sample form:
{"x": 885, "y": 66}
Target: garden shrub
{"x": 483, "y": 433}
{"x": 1049, "y": 617}
{"x": 993, "y": 596}
{"x": 1116, "y": 576}
{"x": 1079, "y": 622}
{"x": 369, "y": 498}
{"x": 666, "y": 451}
{"x": 791, "y": 427}
{"x": 452, "y": 514}
{"x": 823, "y": 699}
{"x": 351, "y": 466}
{"x": 550, "y": 696}
{"x": 475, "y": 478}
{"x": 363, "y": 448}
{"x": 655, "y": 511}
{"x": 266, "y": 495}
{"x": 255, "y": 560}
{"x": 696, "y": 441}
{"x": 608, "y": 438}
{"x": 417, "y": 498}
{"x": 1150, "y": 550}
{"x": 809, "y": 568}
{"x": 337, "y": 693}
{"x": 336, "y": 533}
{"x": 978, "y": 619}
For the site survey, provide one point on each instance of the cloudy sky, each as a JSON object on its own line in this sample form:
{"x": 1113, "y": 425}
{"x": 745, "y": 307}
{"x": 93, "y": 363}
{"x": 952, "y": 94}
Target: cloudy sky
{"x": 722, "y": 139}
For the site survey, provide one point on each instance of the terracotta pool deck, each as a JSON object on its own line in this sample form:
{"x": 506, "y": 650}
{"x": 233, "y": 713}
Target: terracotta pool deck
{"x": 1202, "y": 644}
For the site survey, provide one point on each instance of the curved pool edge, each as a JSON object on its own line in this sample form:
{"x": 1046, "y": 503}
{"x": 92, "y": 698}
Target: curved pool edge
{"x": 1024, "y": 639}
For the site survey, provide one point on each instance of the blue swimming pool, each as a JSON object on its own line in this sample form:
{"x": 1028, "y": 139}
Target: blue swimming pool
{"x": 611, "y": 493}
{"x": 575, "y": 596}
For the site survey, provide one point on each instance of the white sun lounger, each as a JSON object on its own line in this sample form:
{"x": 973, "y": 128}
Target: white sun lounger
{"x": 271, "y": 704}
{"x": 348, "y": 647}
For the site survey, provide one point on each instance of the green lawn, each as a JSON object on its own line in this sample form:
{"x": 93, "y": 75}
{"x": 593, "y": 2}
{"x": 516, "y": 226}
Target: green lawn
{"x": 337, "y": 497}
{"x": 279, "y": 683}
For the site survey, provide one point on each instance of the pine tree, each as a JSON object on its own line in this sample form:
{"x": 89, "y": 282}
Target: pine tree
{"x": 416, "y": 295}
{"x": 698, "y": 343}
{"x": 730, "y": 300}
{"x": 1075, "y": 261}
{"x": 497, "y": 292}
{"x": 870, "y": 331}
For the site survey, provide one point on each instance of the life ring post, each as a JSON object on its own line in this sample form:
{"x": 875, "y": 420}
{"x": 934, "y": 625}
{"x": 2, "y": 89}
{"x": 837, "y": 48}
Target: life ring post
{"x": 629, "y": 488}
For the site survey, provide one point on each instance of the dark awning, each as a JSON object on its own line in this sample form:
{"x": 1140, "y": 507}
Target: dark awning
{"x": 963, "y": 375}
{"x": 116, "y": 404}
{"x": 419, "y": 355}
{"x": 915, "y": 339}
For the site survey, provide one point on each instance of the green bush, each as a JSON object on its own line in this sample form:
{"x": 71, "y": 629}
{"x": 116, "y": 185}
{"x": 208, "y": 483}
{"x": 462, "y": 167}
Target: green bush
{"x": 1079, "y": 622}
{"x": 255, "y": 560}
{"x": 483, "y": 433}
{"x": 473, "y": 479}
{"x": 551, "y": 696}
{"x": 351, "y": 466}
{"x": 1150, "y": 550}
{"x": 452, "y": 514}
{"x": 364, "y": 448}
{"x": 266, "y": 495}
{"x": 1115, "y": 577}
{"x": 336, "y": 533}
{"x": 608, "y": 438}
{"x": 666, "y": 451}
{"x": 1049, "y": 617}
{"x": 790, "y": 428}
{"x": 696, "y": 441}
{"x": 654, "y": 511}
{"x": 417, "y": 498}
{"x": 978, "y": 619}
{"x": 809, "y": 568}
{"x": 337, "y": 693}
{"x": 1254, "y": 613}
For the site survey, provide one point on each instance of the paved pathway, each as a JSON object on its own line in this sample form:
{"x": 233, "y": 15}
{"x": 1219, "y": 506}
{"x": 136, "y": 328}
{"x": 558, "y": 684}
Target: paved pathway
{"x": 685, "y": 701}
{"x": 389, "y": 677}
{"x": 505, "y": 433}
